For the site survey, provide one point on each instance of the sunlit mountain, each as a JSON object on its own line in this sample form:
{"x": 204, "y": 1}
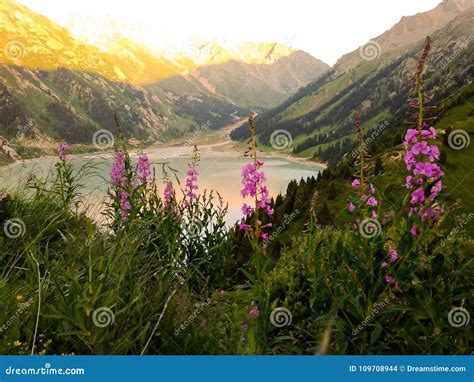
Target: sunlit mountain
{"x": 71, "y": 88}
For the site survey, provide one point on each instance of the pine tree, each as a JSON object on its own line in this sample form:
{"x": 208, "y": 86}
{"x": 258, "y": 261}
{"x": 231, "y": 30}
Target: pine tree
{"x": 378, "y": 166}
{"x": 323, "y": 214}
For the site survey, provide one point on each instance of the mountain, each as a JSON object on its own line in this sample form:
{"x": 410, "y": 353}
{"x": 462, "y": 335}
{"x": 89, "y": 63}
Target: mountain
{"x": 319, "y": 117}
{"x": 56, "y": 86}
{"x": 255, "y": 75}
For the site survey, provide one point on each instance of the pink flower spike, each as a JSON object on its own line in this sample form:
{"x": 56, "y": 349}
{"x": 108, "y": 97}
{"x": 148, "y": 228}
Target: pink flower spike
{"x": 143, "y": 167}
{"x": 393, "y": 254}
{"x": 255, "y": 311}
{"x": 355, "y": 183}
{"x": 388, "y": 278}
{"x": 384, "y": 264}
{"x": 372, "y": 201}
{"x": 413, "y": 230}
{"x": 61, "y": 150}
{"x": 264, "y": 236}
{"x": 372, "y": 189}
{"x": 244, "y": 227}
{"x": 351, "y": 207}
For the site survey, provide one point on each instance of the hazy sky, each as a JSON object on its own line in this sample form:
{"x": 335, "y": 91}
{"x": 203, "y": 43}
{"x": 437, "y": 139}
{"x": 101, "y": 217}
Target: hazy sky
{"x": 326, "y": 29}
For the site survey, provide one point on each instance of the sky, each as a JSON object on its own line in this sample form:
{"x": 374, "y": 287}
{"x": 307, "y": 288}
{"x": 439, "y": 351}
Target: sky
{"x": 325, "y": 29}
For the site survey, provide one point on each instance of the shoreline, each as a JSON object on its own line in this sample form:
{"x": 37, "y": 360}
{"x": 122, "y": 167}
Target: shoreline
{"x": 183, "y": 148}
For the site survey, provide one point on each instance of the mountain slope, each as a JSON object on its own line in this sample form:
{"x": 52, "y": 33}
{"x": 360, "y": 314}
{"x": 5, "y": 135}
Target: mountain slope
{"x": 55, "y": 86}
{"x": 256, "y": 75}
{"x": 319, "y": 117}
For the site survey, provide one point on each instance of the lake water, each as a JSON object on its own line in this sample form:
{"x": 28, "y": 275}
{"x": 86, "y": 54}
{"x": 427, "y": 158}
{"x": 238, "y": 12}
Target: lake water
{"x": 220, "y": 174}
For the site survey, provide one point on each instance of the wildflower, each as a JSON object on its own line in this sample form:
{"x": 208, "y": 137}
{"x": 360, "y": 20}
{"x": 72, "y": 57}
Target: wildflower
{"x": 16, "y": 343}
{"x": 19, "y": 298}
{"x": 191, "y": 180}
{"x": 393, "y": 254}
{"x": 384, "y": 264}
{"x": 244, "y": 227}
{"x": 125, "y": 205}
{"x": 118, "y": 169}
{"x": 191, "y": 186}
{"x": 419, "y": 157}
{"x": 351, "y": 207}
{"x": 254, "y": 311}
{"x": 264, "y": 236}
{"x": 143, "y": 167}
{"x": 246, "y": 209}
{"x": 388, "y": 278}
{"x": 61, "y": 150}
{"x": 372, "y": 201}
{"x": 372, "y": 189}
{"x": 220, "y": 292}
{"x": 168, "y": 194}
{"x": 355, "y": 183}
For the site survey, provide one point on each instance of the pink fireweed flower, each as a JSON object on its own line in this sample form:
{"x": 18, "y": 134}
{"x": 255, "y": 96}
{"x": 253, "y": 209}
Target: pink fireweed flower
{"x": 372, "y": 189}
{"x": 372, "y": 201}
{"x": 253, "y": 182}
{"x": 124, "y": 204}
{"x": 419, "y": 157}
{"x": 255, "y": 311}
{"x": 118, "y": 169}
{"x": 246, "y": 209}
{"x": 168, "y": 194}
{"x": 393, "y": 254}
{"x": 61, "y": 150}
{"x": 244, "y": 227}
{"x": 143, "y": 167}
{"x": 191, "y": 186}
{"x": 351, "y": 207}
{"x": 355, "y": 183}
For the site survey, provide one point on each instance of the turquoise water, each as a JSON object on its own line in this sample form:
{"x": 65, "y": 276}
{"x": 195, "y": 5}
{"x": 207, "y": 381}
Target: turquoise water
{"x": 220, "y": 174}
